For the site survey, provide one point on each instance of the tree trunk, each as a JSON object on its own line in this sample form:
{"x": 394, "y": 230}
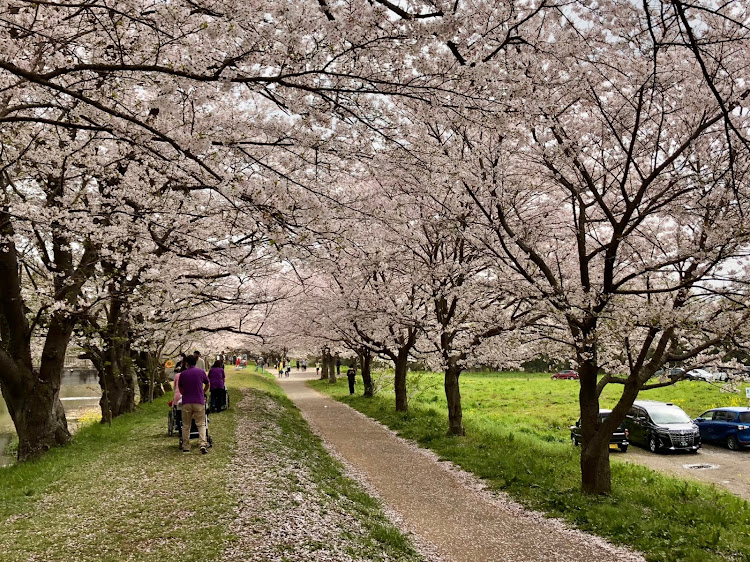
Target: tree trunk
{"x": 37, "y": 413}
{"x": 140, "y": 359}
{"x": 157, "y": 375}
{"x": 365, "y": 358}
{"x": 331, "y": 369}
{"x": 118, "y": 386}
{"x": 399, "y": 383}
{"x": 33, "y": 398}
{"x": 595, "y": 471}
{"x": 453, "y": 396}
{"x": 323, "y": 364}
{"x": 114, "y": 365}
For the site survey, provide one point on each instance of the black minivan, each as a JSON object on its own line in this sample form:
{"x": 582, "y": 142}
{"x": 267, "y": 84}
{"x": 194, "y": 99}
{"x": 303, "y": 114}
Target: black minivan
{"x": 619, "y": 436}
{"x": 662, "y": 426}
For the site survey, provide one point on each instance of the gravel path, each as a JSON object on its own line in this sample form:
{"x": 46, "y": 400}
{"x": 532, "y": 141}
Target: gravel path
{"x": 443, "y": 506}
{"x": 294, "y": 502}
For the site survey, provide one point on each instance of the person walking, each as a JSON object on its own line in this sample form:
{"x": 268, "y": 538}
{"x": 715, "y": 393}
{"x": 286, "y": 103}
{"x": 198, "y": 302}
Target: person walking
{"x": 338, "y": 365}
{"x": 199, "y": 362}
{"x": 216, "y": 378}
{"x": 351, "y": 375}
{"x": 193, "y": 385}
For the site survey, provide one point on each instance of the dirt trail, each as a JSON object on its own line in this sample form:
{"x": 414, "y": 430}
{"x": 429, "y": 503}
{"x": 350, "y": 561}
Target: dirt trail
{"x": 442, "y": 507}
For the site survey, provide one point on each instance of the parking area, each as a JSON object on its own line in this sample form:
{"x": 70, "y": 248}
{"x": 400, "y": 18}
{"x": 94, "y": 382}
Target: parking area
{"x": 716, "y": 465}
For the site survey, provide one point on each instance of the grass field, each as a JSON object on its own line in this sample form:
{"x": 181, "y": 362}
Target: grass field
{"x": 518, "y": 441}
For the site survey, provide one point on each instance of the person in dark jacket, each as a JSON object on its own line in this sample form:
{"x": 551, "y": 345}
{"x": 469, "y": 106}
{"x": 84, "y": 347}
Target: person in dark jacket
{"x": 351, "y": 375}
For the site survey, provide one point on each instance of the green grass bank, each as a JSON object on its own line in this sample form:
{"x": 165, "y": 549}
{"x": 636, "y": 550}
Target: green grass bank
{"x": 118, "y": 492}
{"x": 518, "y": 442}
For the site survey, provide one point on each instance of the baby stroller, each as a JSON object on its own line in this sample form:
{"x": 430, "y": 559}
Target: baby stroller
{"x": 174, "y": 425}
{"x": 219, "y": 400}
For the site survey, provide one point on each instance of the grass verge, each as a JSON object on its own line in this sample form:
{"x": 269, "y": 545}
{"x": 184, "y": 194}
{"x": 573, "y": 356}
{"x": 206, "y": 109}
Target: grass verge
{"x": 337, "y": 514}
{"x": 120, "y": 492}
{"x": 125, "y": 492}
{"x": 517, "y": 445}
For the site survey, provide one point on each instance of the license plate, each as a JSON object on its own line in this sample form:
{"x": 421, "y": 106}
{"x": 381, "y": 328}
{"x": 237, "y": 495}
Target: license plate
{"x": 613, "y": 445}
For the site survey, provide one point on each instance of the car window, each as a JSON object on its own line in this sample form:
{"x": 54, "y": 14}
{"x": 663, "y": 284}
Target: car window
{"x": 744, "y": 417}
{"x": 725, "y": 416}
{"x": 707, "y": 415}
{"x": 669, "y": 415}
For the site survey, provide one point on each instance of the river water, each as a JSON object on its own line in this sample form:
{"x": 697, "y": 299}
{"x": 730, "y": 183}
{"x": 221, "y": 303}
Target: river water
{"x": 80, "y": 394}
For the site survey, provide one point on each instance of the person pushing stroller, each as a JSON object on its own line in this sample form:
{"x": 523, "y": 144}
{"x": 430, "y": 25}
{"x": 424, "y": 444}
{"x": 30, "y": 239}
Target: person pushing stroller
{"x": 216, "y": 379}
{"x": 193, "y": 384}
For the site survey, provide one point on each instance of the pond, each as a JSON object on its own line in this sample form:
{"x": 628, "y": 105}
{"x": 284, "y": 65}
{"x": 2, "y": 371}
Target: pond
{"x": 79, "y": 393}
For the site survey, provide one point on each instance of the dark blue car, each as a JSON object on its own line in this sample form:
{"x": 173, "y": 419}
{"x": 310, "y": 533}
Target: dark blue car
{"x": 730, "y": 426}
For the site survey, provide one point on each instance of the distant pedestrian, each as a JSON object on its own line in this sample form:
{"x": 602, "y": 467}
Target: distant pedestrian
{"x": 199, "y": 362}
{"x": 181, "y": 364}
{"x": 237, "y": 362}
{"x": 288, "y": 369}
{"x": 338, "y": 365}
{"x": 351, "y": 374}
{"x": 317, "y": 370}
{"x": 193, "y": 385}
{"x": 281, "y": 371}
{"x": 298, "y": 364}
{"x": 304, "y": 365}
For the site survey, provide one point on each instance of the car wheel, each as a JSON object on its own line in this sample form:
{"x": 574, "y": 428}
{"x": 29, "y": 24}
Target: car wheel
{"x": 623, "y": 448}
{"x": 653, "y": 444}
{"x": 732, "y": 443}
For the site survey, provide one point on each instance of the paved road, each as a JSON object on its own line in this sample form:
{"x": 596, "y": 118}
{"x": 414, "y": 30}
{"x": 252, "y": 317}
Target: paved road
{"x": 461, "y": 523}
{"x": 728, "y": 469}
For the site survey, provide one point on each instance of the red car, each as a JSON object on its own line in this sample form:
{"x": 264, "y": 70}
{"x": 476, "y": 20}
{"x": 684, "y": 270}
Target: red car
{"x": 569, "y": 374}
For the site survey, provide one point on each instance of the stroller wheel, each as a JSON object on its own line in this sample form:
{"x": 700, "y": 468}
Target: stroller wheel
{"x": 210, "y": 441}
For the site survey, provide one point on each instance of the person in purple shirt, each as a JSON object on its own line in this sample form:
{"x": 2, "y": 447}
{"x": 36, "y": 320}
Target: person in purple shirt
{"x": 193, "y": 385}
{"x": 218, "y": 392}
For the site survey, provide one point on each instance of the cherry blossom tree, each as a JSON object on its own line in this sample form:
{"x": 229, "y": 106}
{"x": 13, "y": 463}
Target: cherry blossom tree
{"x": 619, "y": 198}
{"x": 50, "y": 247}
